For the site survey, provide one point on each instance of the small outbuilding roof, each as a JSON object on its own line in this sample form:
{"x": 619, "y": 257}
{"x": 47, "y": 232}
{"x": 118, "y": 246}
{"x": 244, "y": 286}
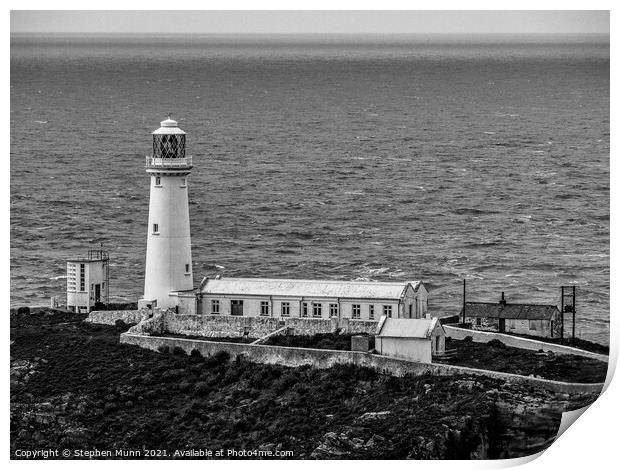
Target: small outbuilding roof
{"x": 415, "y": 285}
{"x": 509, "y": 310}
{"x": 305, "y": 288}
{"x": 407, "y": 327}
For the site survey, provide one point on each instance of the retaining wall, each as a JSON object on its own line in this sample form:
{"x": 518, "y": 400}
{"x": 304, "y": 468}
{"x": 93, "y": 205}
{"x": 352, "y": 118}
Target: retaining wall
{"x": 109, "y": 317}
{"x": 517, "y": 342}
{"x": 212, "y": 326}
{"x": 323, "y": 358}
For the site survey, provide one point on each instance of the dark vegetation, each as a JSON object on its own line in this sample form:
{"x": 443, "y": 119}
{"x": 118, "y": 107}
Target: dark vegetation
{"x": 116, "y": 306}
{"x": 495, "y": 355}
{"x": 74, "y": 386}
{"x": 577, "y": 343}
{"x": 338, "y": 342}
{"x": 223, "y": 339}
{"x": 318, "y": 341}
{"x": 24, "y": 317}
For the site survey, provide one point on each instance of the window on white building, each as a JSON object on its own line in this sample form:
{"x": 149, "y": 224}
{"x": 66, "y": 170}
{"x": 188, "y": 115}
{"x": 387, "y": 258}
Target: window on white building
{"x": 533, "y": 325}
{"x": 478, "y": 321}
{"x": 157, "y": 181}
{"x": 215, "y": 307}
{"x": 387, "y": 311}
{"x": 333, "y": 310}
{"x": 186, "y": 268}
{"x": 155, "y": 228}
{"x": 286, "y": 309}
{"x": 356, "y": 311}
{"x": 264, "y": 308}
{"x": 371, "y": 312}
{"x": 82, "y": 277}
{"x": 316, "y": 310}
{"x": 236, "y": 307}
{"x": 304, "y": 309}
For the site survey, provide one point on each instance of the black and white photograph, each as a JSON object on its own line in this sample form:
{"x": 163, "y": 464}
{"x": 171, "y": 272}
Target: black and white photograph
{"x": 307, "y": 234}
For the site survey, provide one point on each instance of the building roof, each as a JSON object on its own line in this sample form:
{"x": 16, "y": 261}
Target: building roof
{"x": 305, "y": 288}
{"x": 415, "y": 285}
{"x": 407, "y": 327}
{"x": 509, "y": 310}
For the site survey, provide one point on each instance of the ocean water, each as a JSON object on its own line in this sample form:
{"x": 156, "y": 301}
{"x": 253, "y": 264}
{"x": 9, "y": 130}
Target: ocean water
{"x": 383, "y": 158}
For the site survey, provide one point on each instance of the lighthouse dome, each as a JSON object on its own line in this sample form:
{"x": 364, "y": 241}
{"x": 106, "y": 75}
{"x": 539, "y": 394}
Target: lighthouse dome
{"x": 169, "y": 126}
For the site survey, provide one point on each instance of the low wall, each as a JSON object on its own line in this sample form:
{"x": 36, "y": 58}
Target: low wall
{"x": 212, "y": 326}
{"x": 324, "y": 358}
{"x": 517, "y": 342}
{"x": 109, "y": 317}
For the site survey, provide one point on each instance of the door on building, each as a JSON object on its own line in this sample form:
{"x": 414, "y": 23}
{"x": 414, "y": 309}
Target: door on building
{"x": 502, "y": 325}
{"x": 97, "y": 293}
{"x": 410, "y": 310}
{"x": 236, "y": 307}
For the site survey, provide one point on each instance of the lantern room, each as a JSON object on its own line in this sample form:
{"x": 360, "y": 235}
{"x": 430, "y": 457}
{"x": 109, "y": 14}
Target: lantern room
{"x": 169, "y": 140}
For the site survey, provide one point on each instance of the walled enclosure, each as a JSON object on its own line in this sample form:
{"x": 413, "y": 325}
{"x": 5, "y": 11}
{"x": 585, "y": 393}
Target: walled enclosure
{"x": 516, "y": 342}
{"x": 324, "y": 358}
{"x": 257, "y": 327}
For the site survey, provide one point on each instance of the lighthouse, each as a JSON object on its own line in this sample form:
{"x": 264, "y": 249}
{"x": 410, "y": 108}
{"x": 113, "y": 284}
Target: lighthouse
{"x": 168, "y": 271}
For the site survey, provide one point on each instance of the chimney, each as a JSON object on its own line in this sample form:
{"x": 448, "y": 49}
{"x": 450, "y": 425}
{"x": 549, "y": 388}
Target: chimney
{"x": 503, "y": 301}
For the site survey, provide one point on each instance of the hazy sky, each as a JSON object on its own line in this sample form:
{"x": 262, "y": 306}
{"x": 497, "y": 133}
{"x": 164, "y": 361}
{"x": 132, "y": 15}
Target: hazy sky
{"x": 310, "y": 22}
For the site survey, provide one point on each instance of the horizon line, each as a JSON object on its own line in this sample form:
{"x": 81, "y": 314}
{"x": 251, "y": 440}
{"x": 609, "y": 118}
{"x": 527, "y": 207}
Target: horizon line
{"x": 361, "y": 33}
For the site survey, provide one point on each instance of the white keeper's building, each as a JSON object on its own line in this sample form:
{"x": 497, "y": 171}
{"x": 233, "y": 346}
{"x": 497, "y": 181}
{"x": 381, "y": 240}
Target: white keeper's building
{"x": 302, "y": 298}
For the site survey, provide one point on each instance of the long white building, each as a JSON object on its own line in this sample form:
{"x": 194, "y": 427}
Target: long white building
{"x": 253, "y": 297}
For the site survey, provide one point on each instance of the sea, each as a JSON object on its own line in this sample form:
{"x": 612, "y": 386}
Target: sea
{"x": 382, "y": 158}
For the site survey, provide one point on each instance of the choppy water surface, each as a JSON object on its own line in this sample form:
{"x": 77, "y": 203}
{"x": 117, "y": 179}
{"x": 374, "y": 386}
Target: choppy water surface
{"x": 344, "y": 158}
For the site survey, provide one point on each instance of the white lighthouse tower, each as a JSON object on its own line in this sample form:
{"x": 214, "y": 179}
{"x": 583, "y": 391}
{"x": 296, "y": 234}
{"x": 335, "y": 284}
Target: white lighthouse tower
{"x": 168, "y": 272}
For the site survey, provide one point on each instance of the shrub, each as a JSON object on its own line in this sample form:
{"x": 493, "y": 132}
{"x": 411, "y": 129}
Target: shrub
{"x": 496, "y": 343}
{"x": 196, "y": 354}
{"x": 468, "y": 339}
{"x": 178, "y": 351}
{"x": 164, "y": 349}
{"x": 23, "y": 310}
{"x": 218, "y": 358}
{"x": 121, "y": 326}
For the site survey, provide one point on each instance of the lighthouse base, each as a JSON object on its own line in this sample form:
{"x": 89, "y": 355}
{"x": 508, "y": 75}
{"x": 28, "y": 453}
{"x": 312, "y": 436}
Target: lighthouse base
{"x": 183, "y": 302}
{"x": 147, "y": 303}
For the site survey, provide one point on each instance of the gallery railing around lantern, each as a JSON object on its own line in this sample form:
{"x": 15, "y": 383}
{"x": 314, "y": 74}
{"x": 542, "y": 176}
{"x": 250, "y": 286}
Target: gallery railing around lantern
{"x": 152, "y": 162}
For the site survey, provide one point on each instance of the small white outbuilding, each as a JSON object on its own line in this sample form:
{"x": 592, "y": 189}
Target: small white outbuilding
{"x": 88, "y": 281}
{"x": 414, "y": 339}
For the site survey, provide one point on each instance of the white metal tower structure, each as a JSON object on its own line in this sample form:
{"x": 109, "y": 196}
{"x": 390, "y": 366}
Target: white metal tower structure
{"x": 168, "y": 268}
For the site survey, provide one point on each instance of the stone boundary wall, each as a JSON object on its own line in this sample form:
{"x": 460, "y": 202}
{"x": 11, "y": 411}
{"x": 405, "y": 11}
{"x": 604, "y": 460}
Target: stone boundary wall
{"x": 517, "y": 342}
{"x": 212, "y": 326}
{"x": 109, "y": 317}
{"x": 323, "y": 358}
